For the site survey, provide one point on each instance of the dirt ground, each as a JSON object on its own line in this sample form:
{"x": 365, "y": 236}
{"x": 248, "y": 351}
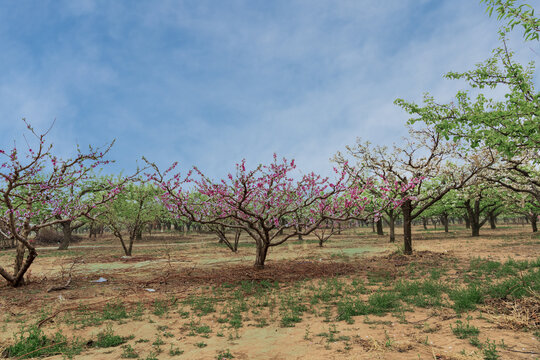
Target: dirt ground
{"x": 186, "y": 297}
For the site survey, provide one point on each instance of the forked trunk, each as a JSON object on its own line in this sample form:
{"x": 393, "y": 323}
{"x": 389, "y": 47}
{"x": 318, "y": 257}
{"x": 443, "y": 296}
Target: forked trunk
{"x": 21, "y": 265}
{"x": 66, "y": 239}
{"x": 444, "y": 221}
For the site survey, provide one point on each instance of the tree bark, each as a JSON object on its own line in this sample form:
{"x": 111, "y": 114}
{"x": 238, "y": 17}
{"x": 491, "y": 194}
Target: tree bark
{"x": 19, "y": 257}
{"x": 66, "y": 239}
{"x": 492, "y": 221}
{"x": 444, "y": 221}
{"x": 534, "y": 219}
{"x": 380, "y": 228}
{"x": 467, "y": 221}
{"x": 392, "y": 226}
{"x": 406, "y": 209}
{"x": 260, "y": 257}
{"x": 474, "y": 217}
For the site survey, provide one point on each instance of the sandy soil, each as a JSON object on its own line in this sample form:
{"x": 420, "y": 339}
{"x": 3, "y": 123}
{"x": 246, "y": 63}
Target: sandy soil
{"x": 179, "y": 267}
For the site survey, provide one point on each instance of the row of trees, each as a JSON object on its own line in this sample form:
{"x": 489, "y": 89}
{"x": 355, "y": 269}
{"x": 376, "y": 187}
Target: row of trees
{"x": 466, "y": 145}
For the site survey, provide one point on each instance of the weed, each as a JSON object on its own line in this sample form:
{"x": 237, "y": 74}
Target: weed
{"x": 389, "y": 343}
{"x": 107, "y": 339}
{"x": 200, "y": 344}
{"x": 380, "y": 303}
{"x": 114, "y": 311}
{"x": 464, "y": 331}
{"x": 160, "y": 307}
{"x": 467, "y": 298}
{"x": 348, "y": 308}
{"x": 201, "y": 305}
{"x": 175, "y": 351}
{"x": 32, "y": 342}
{"x": 129, "y": 352}
{"x": 222, "y": 355}
{"x": 261, "y": 322}
{"x": 490, "y": 351}
{"x": 158, "y": 341}
{"x": 474, "y": 341}
{"x": 306, "y": 334}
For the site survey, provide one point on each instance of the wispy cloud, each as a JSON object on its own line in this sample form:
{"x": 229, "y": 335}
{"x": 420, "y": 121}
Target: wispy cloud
{"x": 209, "y": 83}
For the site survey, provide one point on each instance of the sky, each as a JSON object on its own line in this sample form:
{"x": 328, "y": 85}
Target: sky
{"x": 208, "y": 83}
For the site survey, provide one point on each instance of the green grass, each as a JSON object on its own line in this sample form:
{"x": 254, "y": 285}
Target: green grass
{"x": 226, "y": 354}
{"x": 129, "y": 353}
{"x": 466, "y": 298}
{"x": 161, "y": 307}
{"x": 107, "y": 339}
{"x": 32, "y": 342}
{"x": 115, "y": 311}
{"x": 464, "y": 330}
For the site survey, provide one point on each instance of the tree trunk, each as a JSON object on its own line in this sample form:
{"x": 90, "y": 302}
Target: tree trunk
{"x": 406, "y": 209}
{"x": 444, "y": 221}
{"x": 467, "y": 221}
{"x": 66, "y": 239}
{"x": 492, "y": 221}
{"x": 260, "y": 257}
{"x": 424, "y": 223}
{"x": 127, "y": 250}
{"x": 19, "y": 257}
{"x": 392, "y": 226}
{"x": 474, "y": 216}
{"x": 379, "y": 227}
{"x": 21, "y": 265}
{"x": 534, "y": 219}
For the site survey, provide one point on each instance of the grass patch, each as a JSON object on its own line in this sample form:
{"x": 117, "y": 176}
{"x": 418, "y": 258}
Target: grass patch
{"x": 32, "y": 342}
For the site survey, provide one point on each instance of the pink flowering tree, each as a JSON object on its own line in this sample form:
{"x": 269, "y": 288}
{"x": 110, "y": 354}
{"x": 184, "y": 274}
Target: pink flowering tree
{"x": 266, "y": 202}
{"x": 33, "y": 195}
{"x": 270, "y": 205}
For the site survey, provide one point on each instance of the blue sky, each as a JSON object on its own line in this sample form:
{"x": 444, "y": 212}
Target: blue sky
{"x": 208, "y": 83}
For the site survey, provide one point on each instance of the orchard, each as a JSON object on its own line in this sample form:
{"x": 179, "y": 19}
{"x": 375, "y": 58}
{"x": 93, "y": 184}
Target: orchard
{"x": 428, "y": 248}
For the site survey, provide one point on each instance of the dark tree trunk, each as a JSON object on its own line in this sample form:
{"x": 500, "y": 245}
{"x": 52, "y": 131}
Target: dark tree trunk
{"x": 467, "y": 221}
{"x": 392, "y": 227}
{"x": 474, "y": 216}
{"x": 534, "y": 219}
{"x": 406, "y": 209}
{"x": 424, "y": 223}
{"x": 260, "y": 257}
{"x": 380, "y": 231}
{"x": 444, "y": 221}
{"x": 492, "y": 221}
{"x": 19, "y": 257}
{"x": 66, "y": 239}
{"x": 21, "y": 265}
